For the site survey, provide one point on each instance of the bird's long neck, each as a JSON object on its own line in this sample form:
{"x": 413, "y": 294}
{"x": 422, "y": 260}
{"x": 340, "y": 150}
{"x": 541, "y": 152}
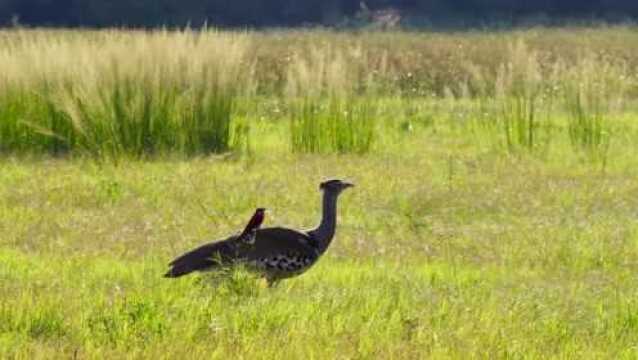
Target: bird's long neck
{"x": 324, "y": 233}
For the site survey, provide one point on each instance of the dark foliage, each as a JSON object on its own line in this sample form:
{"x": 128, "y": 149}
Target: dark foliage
{"x": 260, "y": 13}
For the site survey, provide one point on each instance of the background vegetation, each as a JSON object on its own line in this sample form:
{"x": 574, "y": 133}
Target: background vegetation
{"x": 109, "y": 94}
{"x": 438, "y": 13}
{"x": 494, "y": 213}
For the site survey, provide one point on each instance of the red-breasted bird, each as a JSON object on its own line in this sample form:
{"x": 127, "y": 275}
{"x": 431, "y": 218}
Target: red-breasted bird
{"x": 250, "y": 231}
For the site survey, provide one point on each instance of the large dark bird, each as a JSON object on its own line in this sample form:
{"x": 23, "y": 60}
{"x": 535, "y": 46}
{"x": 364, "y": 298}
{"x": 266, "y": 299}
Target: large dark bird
{"x": 276, "y": 253}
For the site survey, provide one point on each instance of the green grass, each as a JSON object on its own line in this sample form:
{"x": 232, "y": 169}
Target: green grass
{"x": 336, "y": 125}
{"x": 130, "y": 117}
{"x": 588, "y": 126}
{"x": 444, "y": 249}
{"x": 493, "y": 217}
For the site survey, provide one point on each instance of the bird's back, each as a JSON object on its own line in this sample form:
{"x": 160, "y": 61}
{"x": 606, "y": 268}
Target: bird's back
{"x": 277, "y": 240}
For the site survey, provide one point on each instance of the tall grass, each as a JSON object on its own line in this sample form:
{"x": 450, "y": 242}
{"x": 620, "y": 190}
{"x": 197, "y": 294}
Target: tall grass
{"x": 515, "y": 124}
{"x": 519, "y": 122}
{"x": 134, "y": 94}
{"x": 588, "y": 127}
{"x": 338, "y": 125}
{"x": 527, "y": 124}
{"x": 114, "y": 93}
{"x": 518, "y": 115}
{"x": 592, "y": 93}
{"x": 467, "y": 64}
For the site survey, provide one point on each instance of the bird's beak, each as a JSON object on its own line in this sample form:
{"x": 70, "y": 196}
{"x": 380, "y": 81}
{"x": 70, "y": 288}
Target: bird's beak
{"x": 348, "y": 184}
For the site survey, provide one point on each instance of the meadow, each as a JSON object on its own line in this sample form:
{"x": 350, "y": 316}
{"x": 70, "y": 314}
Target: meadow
{"x": 494, "y": 213}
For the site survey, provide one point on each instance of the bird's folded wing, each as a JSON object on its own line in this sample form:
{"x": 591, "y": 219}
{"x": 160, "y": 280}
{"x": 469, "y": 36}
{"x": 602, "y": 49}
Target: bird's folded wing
{"x": 277, "y": 240}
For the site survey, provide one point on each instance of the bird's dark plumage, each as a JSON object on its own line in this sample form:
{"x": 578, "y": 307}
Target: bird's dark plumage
{"x": 261, "y": 254}
{"x": 203, "y": 257}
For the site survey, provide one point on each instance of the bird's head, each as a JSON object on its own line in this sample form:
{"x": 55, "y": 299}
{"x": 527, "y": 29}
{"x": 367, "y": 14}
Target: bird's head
{"x": 335, "y": 186}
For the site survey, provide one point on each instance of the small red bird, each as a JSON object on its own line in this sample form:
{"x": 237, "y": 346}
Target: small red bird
{"x": 250, "y": 231}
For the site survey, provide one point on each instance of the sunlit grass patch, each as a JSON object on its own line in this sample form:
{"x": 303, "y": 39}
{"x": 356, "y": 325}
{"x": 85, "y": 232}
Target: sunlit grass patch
{"x": 338, "y": 125}
{"x": 589, "y": 128}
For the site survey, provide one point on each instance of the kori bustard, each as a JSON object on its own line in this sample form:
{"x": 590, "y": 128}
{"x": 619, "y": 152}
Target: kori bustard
{"x": 276, "y": 252}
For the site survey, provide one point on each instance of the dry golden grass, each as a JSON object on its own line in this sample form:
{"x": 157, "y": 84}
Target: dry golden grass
{"x": 309, "y": 62}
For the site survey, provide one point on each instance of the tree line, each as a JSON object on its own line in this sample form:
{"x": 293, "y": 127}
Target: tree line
{"x": 262, "y": 13}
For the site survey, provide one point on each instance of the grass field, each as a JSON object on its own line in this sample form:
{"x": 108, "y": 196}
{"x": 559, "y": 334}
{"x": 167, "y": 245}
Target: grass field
{"x": 494, "y": 214}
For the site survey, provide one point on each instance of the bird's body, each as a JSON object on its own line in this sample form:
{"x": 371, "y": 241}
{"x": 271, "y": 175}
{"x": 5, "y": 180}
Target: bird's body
{"x": 276, "y": 253}
{"x": 281, "y": 253}
{"x": 265, "y": 256}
